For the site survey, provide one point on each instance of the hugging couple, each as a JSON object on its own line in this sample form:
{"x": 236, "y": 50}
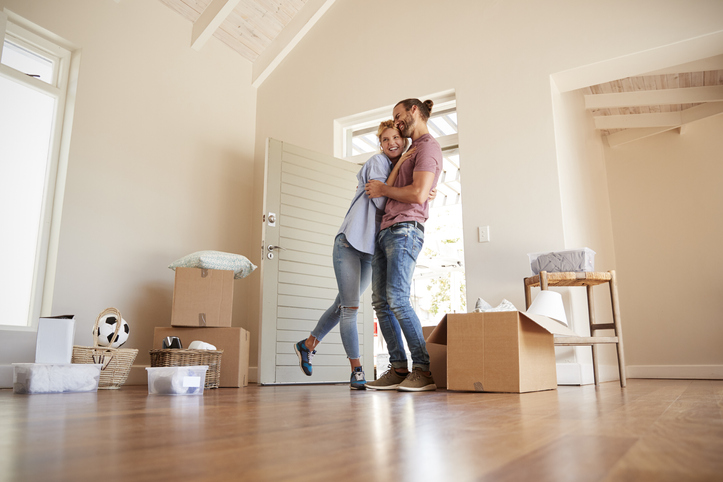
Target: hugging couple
{"x": 379, "y": 241}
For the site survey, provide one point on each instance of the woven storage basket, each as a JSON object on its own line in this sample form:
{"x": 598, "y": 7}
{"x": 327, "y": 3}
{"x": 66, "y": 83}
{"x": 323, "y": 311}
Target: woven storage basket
{"x": 117, "y": 362}
{"x": 180, "y": 357}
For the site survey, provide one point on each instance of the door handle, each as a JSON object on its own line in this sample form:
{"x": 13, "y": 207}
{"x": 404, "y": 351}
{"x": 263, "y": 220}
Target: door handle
{"x": 272, "y": 247}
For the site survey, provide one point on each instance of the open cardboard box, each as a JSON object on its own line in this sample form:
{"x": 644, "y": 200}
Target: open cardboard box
{"x": 437, "y": 358}
{"x": 505, "y": 351}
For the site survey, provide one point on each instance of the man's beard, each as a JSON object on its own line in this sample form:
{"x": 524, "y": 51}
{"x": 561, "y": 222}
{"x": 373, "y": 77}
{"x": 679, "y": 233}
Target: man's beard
{"x": 408, "y": 126}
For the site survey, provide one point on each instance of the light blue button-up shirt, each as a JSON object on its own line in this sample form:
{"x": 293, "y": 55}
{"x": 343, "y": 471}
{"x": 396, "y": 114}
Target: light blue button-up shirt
{"x": 361, "y": 223}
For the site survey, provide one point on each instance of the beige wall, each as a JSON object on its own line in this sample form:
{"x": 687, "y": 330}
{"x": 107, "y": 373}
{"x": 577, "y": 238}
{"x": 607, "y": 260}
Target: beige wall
{"x": 498, "y": 56}
{"x": 586, "y": 223}
{"x": 667, "y": 207}
{"x": 160, "y": 160}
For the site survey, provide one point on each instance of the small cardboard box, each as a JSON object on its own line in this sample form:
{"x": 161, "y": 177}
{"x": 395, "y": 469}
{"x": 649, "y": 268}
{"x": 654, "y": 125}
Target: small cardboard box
{"x": 202, "y": 297}
{"x": 233, "y": 341}
{"x": 504, "y": 351}
{"x": 437, "y": 358}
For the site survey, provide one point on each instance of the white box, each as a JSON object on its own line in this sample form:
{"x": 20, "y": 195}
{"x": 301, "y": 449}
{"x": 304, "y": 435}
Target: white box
{"x": 54, "y": 342}
{"x": 55, "y": 378}
{"x": 176, "y": 380}
{"x": 582, "y": 259}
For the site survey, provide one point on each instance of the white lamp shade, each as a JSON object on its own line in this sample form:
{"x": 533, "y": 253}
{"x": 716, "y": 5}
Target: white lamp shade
{"x": 549, "y": 303}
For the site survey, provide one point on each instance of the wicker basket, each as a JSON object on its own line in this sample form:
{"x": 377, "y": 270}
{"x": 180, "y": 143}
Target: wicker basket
{"x": 117, "y": 362}
{"x": 175, "y": 357}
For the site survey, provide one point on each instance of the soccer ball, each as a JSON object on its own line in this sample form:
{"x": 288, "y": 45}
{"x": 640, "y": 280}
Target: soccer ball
{"x": 106, "y": 330}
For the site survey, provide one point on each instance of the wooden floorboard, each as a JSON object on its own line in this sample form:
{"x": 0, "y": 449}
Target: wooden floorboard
{"x": 652, "y": 430}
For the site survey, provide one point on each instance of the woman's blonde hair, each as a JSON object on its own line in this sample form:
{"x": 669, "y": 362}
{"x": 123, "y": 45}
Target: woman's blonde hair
{"x": 389, "y": 124}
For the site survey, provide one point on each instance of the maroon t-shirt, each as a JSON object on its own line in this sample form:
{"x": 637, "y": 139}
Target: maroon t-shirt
{"x": 427, "y": 157}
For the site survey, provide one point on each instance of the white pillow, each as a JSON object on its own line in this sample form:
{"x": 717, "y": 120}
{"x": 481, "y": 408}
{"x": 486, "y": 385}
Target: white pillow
{"x": 240, "y": 265}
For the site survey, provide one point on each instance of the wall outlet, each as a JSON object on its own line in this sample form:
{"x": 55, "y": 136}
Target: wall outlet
{"x": 484, "y": 234}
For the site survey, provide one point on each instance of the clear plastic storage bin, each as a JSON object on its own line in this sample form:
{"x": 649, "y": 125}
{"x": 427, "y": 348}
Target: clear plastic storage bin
{"x": 55, "y": 378}
{"x": 582, "y": 259}
{"x": 188, "y": 380}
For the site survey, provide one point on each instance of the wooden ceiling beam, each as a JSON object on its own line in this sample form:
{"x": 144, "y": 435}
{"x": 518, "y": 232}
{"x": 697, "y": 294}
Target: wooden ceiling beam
{"x": 690, "y": 95}
{"x": 210, "y": 20}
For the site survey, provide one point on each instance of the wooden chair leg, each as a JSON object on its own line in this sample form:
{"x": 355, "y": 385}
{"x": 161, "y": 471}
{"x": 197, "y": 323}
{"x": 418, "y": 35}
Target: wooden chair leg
{"x": 528, "y": 296}
{"x": 543, "y": 280}
{"x": 591, "y": 317}
{"x": 618, "y": 327}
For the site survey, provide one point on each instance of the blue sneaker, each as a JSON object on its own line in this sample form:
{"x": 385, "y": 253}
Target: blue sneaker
{"x": 305, "y": 357}
{"x": 357, "y": 379}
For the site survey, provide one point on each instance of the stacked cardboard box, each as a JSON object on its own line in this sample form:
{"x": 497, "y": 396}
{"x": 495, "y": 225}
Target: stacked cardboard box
{"x": 233, "y": 341}
{"x": 202, "y": 310}
{"x": 202, "y": 297}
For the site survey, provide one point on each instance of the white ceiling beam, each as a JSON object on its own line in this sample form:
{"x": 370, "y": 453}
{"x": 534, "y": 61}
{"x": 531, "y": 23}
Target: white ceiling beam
{"x": 686, "y": 118}
{"x": 630, "y": 135}
{"x": 209, "y": 21}
{"x": 690, "y": 95}
{"x": 289, "y": 38}
{"x": 700, "y": 112}
{"x": 665, "y": 119}
{"x": 637, "y": 121}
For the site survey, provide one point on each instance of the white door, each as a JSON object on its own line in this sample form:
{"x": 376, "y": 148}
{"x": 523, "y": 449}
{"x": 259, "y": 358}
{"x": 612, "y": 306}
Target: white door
{"x": 306, "y": 196}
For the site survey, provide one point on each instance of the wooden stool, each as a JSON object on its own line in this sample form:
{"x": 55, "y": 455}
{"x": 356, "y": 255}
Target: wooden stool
{"x": 587, "y": 279}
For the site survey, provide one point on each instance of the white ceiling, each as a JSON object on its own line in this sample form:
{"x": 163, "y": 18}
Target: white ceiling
{"x": 261, "y": 31}
{"x": 624, "y": 110}
{"x": 247, "y": 26}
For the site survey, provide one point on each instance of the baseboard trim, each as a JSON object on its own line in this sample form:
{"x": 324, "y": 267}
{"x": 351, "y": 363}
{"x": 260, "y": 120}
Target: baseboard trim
{"x": 582, "y": 374}
{"x": 6, "y": 376}
{"x": 686, "y": 372}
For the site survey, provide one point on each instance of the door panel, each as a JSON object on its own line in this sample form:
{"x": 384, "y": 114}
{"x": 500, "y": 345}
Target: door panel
{"x": 309, "y": 193}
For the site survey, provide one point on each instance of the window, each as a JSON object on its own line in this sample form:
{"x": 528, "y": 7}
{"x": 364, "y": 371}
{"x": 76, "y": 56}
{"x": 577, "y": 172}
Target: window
{"x": 34, "y": 79}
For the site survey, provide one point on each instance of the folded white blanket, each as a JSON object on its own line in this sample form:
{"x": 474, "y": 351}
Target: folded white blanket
{"x": 559, "y": 261}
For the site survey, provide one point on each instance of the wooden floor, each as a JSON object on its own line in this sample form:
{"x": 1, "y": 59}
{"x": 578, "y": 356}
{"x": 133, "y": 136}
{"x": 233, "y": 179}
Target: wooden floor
{"x": 661, "y": 430}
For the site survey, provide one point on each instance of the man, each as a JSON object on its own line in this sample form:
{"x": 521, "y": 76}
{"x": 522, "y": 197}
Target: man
{"x": 398, "y": 244}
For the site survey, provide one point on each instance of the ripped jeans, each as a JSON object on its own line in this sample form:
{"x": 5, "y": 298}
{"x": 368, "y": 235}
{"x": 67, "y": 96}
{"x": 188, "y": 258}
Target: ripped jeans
{"x": 353, "y": 271}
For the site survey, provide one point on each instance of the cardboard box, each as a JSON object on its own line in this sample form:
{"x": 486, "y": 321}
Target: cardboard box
{"x": 233, "y": 341}
{"x": 504, "y": 351}
{"x": 437, "y": 358}
{"x": 202, "y": 297}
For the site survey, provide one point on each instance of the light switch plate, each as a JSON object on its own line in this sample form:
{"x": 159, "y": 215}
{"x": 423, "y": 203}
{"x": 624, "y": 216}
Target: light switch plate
{"x": 484, "y": 234}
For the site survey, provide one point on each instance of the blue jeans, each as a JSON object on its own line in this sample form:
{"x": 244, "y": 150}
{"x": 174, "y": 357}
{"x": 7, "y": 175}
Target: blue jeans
{"x": 353, "y": 271}
{"x": 392, "y": 267}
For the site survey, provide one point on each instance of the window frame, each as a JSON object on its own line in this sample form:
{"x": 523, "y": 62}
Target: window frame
{"x": 63, "y": 89}
{"x": 346, "y": 127}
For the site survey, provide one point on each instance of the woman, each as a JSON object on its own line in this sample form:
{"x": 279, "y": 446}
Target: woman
{"x": 352, "y": 254}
